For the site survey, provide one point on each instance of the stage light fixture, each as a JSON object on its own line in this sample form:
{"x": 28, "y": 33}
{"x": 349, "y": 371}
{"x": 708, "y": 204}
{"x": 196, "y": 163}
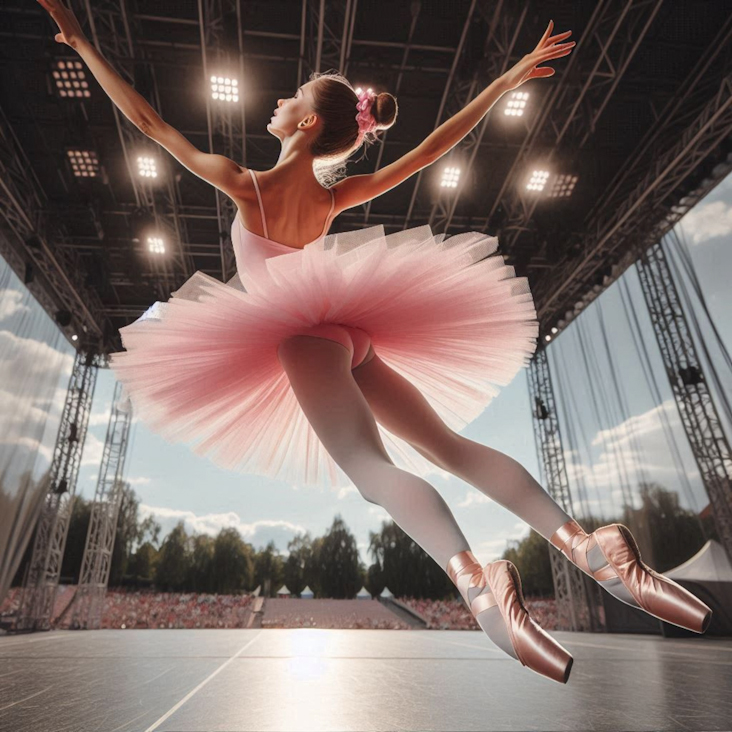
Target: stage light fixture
{"x": 537, "y": 181}
{"x": 84, "y": 163}
{"x": 224, "y": 89}
{"x": 516, "y": 104}
{"x": 450, "y": 177}
{"x": 156, "y": 244}
{"x": 63, "y": 317}
{"x": 547, "y": 337}
{"x": 691, "y": 375}
{"x": 147, "y": 167}
{"x": 563, "y": 186}
{"x": 70, "y": 78}
{"x": 74, "y": 337}
{"x": 541, "y": 411}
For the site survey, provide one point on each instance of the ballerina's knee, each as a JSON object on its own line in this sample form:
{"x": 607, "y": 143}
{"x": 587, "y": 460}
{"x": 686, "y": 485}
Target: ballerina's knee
{"x": 445, "y": 451}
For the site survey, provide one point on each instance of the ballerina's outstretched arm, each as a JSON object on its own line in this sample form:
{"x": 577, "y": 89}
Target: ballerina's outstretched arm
{"x": 358, "y": 189}
{"x": 217, "y": 170}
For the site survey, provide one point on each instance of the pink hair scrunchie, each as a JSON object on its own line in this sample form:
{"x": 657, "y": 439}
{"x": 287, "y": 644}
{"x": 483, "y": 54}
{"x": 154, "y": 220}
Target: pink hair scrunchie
{"x": 366, "y": 121}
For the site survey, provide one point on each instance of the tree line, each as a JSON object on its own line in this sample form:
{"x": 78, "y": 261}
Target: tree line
{"x": 330, "y": 564}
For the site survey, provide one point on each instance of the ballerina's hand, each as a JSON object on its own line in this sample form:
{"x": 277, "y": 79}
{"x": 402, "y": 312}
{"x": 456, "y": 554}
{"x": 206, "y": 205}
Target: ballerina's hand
{"x": 528, "y": 67}
{"x": 71, "y": 33}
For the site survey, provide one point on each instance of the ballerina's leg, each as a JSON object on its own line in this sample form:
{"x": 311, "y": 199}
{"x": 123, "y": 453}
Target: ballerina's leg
{"x": 402, "y": 409}
{"x": 320, "y": 373}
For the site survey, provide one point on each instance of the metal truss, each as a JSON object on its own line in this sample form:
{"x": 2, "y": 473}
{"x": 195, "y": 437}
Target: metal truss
{"x": 578, "y": 597}
{"x": 458, "y": 92}
{"x": 28, "y": 237}
{"x": 96, "y": 564}
{"x": 112, "y": 30}
{"x": 565, "y": 113}
{"x": 221, "y": 55}
{"x": 41, "y": 582}
{"x": 683, "y": 368}
{"x": 639, "y": 211}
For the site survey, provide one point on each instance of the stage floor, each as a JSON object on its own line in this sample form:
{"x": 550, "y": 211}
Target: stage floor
{"x": 318, "y": 679}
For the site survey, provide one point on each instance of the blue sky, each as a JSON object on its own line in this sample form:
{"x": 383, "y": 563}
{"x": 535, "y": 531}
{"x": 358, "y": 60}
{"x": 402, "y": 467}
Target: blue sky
{"x": 174, "y": 484}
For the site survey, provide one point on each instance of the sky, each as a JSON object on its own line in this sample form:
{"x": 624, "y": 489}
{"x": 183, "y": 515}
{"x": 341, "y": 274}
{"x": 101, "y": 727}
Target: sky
{"x": 173, "y": 484}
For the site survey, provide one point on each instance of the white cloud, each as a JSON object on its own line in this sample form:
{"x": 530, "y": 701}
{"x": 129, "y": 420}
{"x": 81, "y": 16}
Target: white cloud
{"x": 138, "y": 480}
{"x": 497, "y": 545}
{"x": 379, "y": 512}
{"x": 347, "y": 490}
{"x": 632, "y": 451}
{"x": 97, "y": 419}
{"x": 473, "y": 496}
{"x": 29, "y": 422}
{"x": 258, "y": 533}
{"x": 93, "y": 449}
{"x": 11, "y": 302}
{"x": 707, "y": 221}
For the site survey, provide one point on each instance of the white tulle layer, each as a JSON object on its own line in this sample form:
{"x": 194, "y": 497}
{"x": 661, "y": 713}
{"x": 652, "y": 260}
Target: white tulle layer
{"x": 202, "y": 368}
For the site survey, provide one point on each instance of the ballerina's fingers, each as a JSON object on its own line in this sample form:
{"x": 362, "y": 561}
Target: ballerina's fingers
{"x": 558, "y": 37}
{"x": 555, "y": 51}
{"x": 545, "y": 37}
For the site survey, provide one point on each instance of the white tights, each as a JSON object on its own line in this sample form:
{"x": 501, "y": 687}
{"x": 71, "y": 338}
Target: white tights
{"x": 342, "y": 405}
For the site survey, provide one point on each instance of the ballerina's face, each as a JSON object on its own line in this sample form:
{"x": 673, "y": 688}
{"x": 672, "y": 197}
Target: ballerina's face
{"x": 294, "y": 113}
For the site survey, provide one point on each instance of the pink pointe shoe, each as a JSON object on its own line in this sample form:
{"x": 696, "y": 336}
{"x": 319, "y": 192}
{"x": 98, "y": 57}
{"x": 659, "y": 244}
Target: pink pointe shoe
{"x": 611, "y": 556}
{"x": 512, "y": 629}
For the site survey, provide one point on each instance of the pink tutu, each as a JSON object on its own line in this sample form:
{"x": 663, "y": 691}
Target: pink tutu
{"x": 445, "y": 314}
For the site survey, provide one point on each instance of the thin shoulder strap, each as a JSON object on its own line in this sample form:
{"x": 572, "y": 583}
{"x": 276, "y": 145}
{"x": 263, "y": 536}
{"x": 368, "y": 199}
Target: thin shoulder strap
{"x": 259, "y": 199}
{"x": 332, "y": 205}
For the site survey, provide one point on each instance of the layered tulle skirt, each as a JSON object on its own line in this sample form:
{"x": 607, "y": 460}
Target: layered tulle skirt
{"x": 447, "y": 313}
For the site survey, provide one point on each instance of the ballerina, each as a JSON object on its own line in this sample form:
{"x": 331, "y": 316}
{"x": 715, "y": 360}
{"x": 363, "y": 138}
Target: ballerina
{"x": 314, "y": 357}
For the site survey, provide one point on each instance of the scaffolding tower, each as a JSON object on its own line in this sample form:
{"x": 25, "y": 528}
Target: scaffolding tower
{"x": 578, "y": 597}
{"x": 41, "y": 581}
{"x": 96, "y": 564}
{"x": 696, "y": 408}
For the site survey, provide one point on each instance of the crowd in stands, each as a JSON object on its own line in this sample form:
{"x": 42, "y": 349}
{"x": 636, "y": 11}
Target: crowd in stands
{"x": 149, "y": 609}
{"x": 454, "y": 614}
{"x": 10, "y": 605}
{"x": 175, "y": 610}
{"x": 296, "y": 613}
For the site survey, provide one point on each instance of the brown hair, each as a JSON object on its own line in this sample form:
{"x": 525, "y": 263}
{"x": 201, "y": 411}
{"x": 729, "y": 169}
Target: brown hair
{"x": 334, "y": 101}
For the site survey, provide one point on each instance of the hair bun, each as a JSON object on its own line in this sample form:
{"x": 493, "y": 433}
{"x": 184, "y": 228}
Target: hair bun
{"x": 384, "y": 110}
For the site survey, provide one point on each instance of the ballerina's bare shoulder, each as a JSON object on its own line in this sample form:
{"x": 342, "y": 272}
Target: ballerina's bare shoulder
{"x": 295, "y": 212}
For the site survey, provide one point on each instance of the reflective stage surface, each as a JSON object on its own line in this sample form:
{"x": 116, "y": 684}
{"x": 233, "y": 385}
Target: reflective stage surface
{"x": 318, "y": 679}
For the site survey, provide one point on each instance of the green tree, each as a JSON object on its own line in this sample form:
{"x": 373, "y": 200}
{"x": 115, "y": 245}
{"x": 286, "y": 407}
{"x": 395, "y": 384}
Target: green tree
{"x": 143, "y": 563}
{"x": 404, "y": 567}
{"x": 200, "y": 576}
{"x": 269, "y": 569}
{"x": 76, "y": 539}
{"x": 300, "y": 550}
{"x": 666, "y": 533}
{"x": 531, "y": 557}
{"x": 174, "y": 560}
{"x": 131, "y": 533}
{"x": 233, "y": 563}
{"x": 338, "y": 562}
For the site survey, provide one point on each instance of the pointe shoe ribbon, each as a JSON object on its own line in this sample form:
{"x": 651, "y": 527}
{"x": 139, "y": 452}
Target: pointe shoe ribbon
{"x": 574, "y": 543}
{"x": 534, "y": 647}
{"x": 655, "y": 594}
{"x": 465, "y": 572}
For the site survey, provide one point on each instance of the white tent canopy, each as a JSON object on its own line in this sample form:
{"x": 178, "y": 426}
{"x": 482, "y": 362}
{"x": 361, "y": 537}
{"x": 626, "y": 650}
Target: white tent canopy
{"x": 363, "y": 592}
{"x": 283, "y": 590}
{"x": 307, "y": 593}
{"x": 709, "y": 564}
{"x": 386, "y": 592}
